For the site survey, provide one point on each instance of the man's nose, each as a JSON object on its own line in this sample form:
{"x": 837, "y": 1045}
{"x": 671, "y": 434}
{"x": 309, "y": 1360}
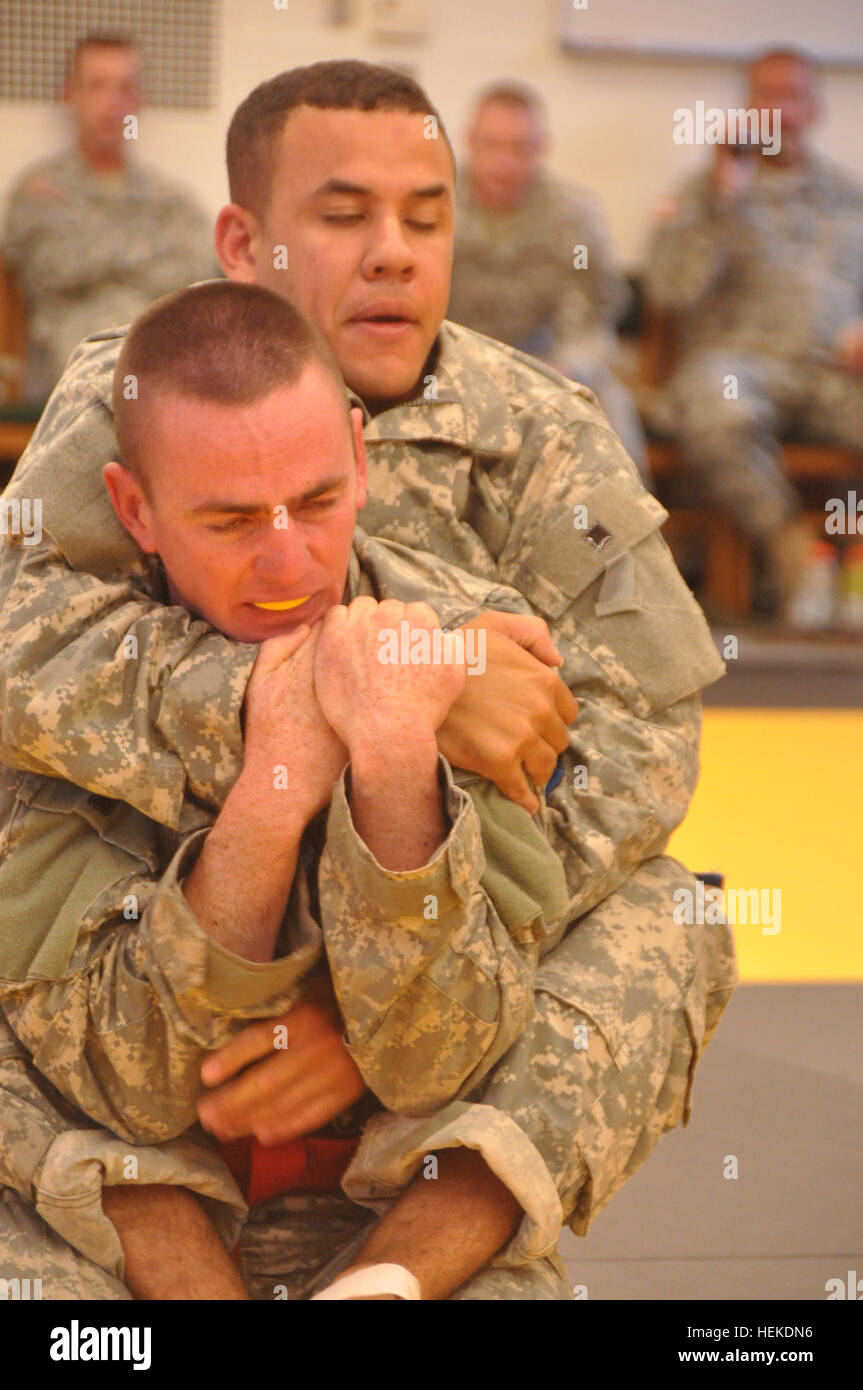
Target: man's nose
{"x": 389, "y": 251}
{"x": 282, "y": 559}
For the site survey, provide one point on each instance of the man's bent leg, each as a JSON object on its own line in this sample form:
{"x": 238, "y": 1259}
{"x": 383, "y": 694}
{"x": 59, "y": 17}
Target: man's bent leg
{"x": 833, "y": 409}
{"x": 170, "y": 1247}
{"x": 625, "y": 1005}
{"x": 728, "y": 412}
{"x": 540, "y": 1280}
{"x": 36, "y": 1263}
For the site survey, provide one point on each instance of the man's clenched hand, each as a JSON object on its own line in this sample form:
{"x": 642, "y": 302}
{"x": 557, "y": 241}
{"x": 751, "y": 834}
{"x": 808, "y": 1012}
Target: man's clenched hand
{"x": 284, "y": 724}
{"x": 373, "y": 702}
{"x": 294, "y": 1090}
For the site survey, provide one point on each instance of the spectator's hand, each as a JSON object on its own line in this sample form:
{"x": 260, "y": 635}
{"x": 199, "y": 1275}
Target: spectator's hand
{"x": 371, "y": 702}
{"x": 732, "y": 174}
{"x": 284, "y": 724}
{"x": 849, "y": 347}
{"x": 287, "y": 1091}
{"x": 513, "y": 718}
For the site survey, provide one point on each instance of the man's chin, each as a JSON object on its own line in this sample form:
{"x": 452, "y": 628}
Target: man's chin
{"x": 382, "y": 377}
{"x": 254, "y": 624}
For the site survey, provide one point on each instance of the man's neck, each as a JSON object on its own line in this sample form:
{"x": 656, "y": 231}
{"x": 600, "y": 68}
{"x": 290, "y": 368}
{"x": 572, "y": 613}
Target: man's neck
{"x": 376, "y": 406}
{"x": 101, "y": 160}
{"x": 497, "y": 207}
{"x": 795, "y": 159}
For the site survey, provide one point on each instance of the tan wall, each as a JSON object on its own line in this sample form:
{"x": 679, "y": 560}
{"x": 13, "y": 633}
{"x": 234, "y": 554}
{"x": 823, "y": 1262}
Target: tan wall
{"x": 612, "y": 116}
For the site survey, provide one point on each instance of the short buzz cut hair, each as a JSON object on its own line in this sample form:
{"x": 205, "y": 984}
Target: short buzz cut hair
{"x": 512, "y": 94}
{"x": 219, "y": 341}
{"x": 786, "y": 53}
{"x": 98, "y": 40}
{"x": 333, "y": 85}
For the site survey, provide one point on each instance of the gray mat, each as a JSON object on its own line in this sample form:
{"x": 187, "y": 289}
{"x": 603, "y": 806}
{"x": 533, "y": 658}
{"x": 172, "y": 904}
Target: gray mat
{"x": 781, "y": 1089}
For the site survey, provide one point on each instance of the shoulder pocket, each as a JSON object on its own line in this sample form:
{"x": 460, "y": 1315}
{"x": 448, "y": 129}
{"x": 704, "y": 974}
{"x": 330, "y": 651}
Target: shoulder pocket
{"x": 604, "y": 578}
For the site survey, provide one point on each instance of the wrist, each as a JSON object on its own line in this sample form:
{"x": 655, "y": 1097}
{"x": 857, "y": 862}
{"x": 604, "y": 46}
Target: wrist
{"x": 375, "y": 761}
{"x": 267, "y": 798}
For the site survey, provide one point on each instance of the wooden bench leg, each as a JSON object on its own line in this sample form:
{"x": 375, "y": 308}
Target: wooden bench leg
{"x": 729, "y": 567}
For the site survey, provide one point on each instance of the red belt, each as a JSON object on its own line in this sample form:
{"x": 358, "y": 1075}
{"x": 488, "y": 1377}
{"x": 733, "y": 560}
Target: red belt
{"x": 302, "y": 1165}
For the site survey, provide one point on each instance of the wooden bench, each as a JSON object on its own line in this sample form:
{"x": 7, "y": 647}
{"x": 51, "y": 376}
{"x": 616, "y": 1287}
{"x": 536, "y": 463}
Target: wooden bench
{"x": 16, "y": 422}
{"x": 816, "y": 469}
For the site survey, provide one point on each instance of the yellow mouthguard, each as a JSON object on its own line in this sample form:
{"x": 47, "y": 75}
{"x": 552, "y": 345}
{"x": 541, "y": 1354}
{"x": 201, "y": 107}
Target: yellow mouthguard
{"x": 283, "y": 605}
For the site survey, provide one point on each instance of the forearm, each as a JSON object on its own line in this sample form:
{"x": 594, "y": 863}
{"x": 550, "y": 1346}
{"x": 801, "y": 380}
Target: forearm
{"x": 87, "y": 664}
{"x": 42, "y": 261}
{"x": 626, "y": 786}
{"x": 239, "y": 887}
{"x": 447, "y": 1229}
{"x": 396, "y": 801}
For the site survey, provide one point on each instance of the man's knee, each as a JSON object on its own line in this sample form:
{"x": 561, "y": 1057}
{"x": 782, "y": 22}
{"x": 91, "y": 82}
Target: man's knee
{"x": 35, "y": 1262}
{"x": 718, "y": 396}
{"x": 540, "y": 1280}
{"x": 625, "y": 1005}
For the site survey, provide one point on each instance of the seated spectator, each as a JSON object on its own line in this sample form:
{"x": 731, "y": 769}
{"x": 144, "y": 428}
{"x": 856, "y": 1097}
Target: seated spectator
{"x": 762, "y": 257}
{"x": 92, "y": 235}
{"x": 532, "y": 264}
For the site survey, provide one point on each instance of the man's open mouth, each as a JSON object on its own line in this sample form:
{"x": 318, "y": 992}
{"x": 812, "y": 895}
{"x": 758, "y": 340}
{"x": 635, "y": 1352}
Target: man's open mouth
{"x": 386, "y": 315}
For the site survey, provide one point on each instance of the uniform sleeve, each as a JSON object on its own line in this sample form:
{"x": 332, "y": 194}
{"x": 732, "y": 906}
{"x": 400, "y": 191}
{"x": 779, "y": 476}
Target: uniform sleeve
{"x": 58, "y": 1161}
{"x": 690, "y": 249}
{"x": 99, "y": 684}
{"x": 115, "y": 990}
{"x": 585, "y": 550}
{"x": 434, "y": 968}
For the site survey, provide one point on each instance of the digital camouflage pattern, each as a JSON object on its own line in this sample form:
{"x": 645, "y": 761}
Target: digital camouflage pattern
{"x": 107, "y": 979}
{"x": 514, "y": 277}
{"x": 92, "y": 249}
{"x": 543, "y": 278}
{"x": 761, "y": 290}
{"x": 53, "y": 1164}
{"x": 52, "y": 1227}
{"x": 501, "y": 467}
{"x": 293, "y": 1247}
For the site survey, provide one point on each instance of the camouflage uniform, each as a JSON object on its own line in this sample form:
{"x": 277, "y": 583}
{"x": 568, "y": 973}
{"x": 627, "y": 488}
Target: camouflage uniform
{"x": 107, "y": 979}
{"x": 763, "y": 287}
{"x": 505, "y": 469}
{"x": 92, "y": 249}
{"x": 514, "y": 279}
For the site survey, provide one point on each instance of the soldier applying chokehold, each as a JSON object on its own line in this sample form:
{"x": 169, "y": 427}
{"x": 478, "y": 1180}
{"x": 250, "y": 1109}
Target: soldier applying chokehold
{"x": 760, "y": 260}
{"x": 93, "y": 234}
{"x": 532, "y": 263}
{"x": 489, "y": 461}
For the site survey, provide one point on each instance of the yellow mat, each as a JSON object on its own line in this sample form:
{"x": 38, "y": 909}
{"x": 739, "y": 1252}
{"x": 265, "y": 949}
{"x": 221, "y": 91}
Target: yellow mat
{"x": 780, "y": 807}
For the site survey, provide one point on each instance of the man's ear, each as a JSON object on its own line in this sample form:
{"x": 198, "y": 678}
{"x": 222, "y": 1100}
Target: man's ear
{"x": 237, "y": 237}
{"x": 360, "y": 456}
{"x": 130, "y": 503}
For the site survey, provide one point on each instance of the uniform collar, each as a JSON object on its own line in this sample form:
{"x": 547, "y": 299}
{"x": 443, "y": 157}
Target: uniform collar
{"x": 458, "y": 402}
